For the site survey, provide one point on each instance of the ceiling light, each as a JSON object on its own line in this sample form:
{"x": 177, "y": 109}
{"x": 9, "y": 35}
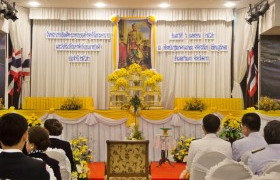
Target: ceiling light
{"x": 34, "y": 3}
{"x": 100, "y": 4}
{"x": 229, "y": 4}
{"x": 164, "y": 5}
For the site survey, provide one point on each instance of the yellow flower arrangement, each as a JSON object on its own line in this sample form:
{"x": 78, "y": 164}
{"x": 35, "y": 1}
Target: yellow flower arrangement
{"x": 194, "y": 104}
{"x": 231, "y": 128}
{"x": 121, "y": 82}
{"x": 182, "y": 148}
{"x": 157, "y": 77}
{"x": 1, "y": 104}
{"x": 148, "y": 73}
{"x": 121, "y": 72}
{"x": 112, "y": 77}
{"x": 150, "y": 82}
{"x": 268, "y": 104}
{"x": 134, "y": 68}
{"x": 33, "y": 120}
{"x": 71, "y": 104}
{"x": 81, "y": 155}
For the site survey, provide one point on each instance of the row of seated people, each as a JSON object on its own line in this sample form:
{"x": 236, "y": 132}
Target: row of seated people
{"x": 35, "y": 141}
{"x": 254, "y": 150}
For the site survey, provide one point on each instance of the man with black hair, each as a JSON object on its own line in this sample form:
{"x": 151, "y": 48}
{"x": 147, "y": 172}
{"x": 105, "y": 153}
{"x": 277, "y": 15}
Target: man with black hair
{"x": 211, "y": 125}
{"x": 251, "y": 124}
{"x": 257, "y": 161}
{"x": 13, "y": 163}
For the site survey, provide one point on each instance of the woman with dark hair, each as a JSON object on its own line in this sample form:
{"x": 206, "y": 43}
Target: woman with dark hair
{"x": 55, "y": 129}
{"x": 37, "y": 143}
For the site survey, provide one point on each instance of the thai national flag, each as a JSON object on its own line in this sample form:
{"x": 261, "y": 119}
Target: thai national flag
{"x": 252, "y": 78}
{"x": 26, "y": 67}
{"x": 15, "y": 72}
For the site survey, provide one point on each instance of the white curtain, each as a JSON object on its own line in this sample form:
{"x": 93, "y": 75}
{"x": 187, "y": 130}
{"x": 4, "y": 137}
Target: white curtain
{"x": 53, "y": 75}
{"x": 211, "y": 79}
{"x": 271, "y": 17}
{"x": 20, "y": 32}
{"x": 244, "y": 40}
{"x": 105, "y": 14}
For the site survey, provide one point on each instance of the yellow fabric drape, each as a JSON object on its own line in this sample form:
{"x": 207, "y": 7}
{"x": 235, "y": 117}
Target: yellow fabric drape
{"x": 219, "y": 103}
{"x": 113, "y": 114}
{"x": 52, "y": 102}
{"x": 154, "y": 31}
{"x": 38, "y": 113}
{"x": 115, "y": 31}
{"x": 155, "y": 115}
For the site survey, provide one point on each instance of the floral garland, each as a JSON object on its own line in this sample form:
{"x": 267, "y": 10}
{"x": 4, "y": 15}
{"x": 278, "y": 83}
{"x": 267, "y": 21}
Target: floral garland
{"x": 121, "y": 82}
{"x": 268, "y": 104}
{"x": 231, "y": 128}
{"x": 194, "y": 104}
{"x": 148, "y": 73}
{"x": 81, "y": 155}
{"x": 134, "y": 68}
{"x": 71, "y": 104}
{"x": 181, "y": 150}
{"x": 33, "y": 120}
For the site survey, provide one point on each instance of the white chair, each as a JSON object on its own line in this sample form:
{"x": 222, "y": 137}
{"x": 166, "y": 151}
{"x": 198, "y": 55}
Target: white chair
{"x": 245, "y": 157}
{"x": 229, "y": 170}
{"x": 272, "y": 167}
{"x": 64, "y": 163}
{"x": 270, "y": 176}
{"x": 203, "y": 161}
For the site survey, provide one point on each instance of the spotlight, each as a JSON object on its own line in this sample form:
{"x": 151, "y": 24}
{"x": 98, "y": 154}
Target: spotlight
{"x": 9, "y": 11}
{"x": 263, "y": 8}
{"x": 249, "y": 20}
{"x": 258, "y": 10}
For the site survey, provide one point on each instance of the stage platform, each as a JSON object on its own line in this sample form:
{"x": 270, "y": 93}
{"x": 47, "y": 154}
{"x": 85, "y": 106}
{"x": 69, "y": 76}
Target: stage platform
{"x": 163, "y": 172}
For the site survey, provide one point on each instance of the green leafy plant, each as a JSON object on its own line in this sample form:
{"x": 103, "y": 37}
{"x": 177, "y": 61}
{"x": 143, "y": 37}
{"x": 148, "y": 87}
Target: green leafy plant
{"x": 135, "y": 102}
{"x": 71, "y": 104}
{"x": 194, "y": 104}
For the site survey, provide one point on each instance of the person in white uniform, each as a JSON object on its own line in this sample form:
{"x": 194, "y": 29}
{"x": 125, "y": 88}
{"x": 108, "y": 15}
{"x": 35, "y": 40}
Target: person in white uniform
{"x": 257, "y": 161}
{"x": 211, "y": 125}
{"x": 251, "y": 124}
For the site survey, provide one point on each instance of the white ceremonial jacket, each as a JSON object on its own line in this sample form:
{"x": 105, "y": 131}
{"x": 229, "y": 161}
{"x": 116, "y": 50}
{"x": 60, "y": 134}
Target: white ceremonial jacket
{"x": 253, "y": 142}
{"x": 209, "y": 142}
{"x": 257, "y": 161}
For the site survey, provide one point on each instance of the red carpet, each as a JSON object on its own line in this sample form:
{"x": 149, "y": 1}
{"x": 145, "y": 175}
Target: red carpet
{"x": 164, "y": 172}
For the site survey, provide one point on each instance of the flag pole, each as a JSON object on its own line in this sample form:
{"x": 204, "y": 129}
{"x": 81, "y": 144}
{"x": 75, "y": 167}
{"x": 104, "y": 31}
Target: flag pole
{"x": 247, "y": 94}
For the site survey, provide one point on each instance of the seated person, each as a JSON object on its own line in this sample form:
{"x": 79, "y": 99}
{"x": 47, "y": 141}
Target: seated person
{"x": 13, "y": 163}
{"x": 36, "y": 145}
{"x": 251, "y": 124}
{"x": 211, "y": 125}
{"x": 55, "y": 129}
{"x": 258, "y": 160}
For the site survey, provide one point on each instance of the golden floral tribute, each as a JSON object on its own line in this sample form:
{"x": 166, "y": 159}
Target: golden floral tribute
{"x": 81, "y": 155}
{"x": 181, "y": 150}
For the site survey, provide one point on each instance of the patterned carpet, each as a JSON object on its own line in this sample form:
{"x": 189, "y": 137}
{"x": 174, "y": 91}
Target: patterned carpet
{"x": 163, "y": 172}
